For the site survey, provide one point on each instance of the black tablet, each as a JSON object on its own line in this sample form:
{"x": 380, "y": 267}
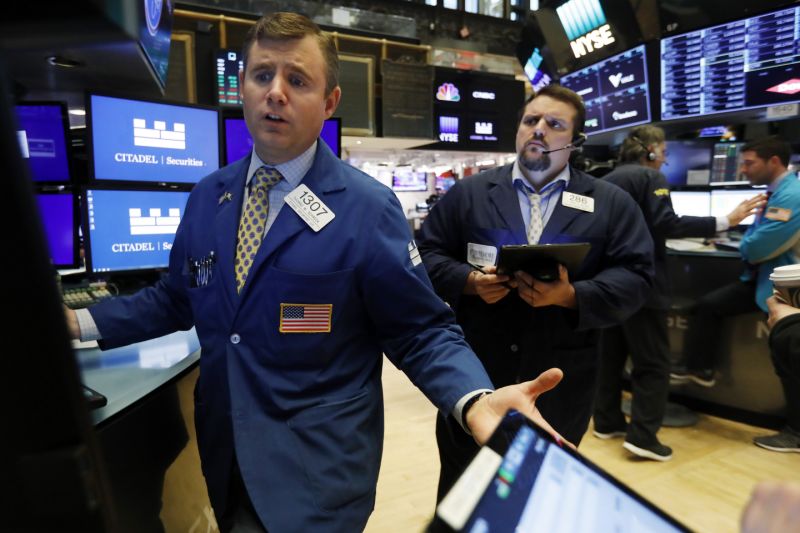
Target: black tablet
{"x": 542, "y": 260}
{"x": 523, "y": 481}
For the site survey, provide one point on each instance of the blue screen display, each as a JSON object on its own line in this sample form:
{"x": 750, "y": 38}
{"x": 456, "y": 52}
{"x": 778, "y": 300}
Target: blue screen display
{"x": 134, "y": 140}
{"x": 131, "y": 230}
{"x": 58, "y": 219}
{"x": 239, "y": 143}
{"x": 43, "y": 141}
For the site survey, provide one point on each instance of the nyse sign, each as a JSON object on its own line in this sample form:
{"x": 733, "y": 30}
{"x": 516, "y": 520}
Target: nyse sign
{"x": 592, "y": 41}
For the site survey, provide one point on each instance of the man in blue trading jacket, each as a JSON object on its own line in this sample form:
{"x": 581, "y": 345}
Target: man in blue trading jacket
{"x": 644, "y": 334}
{"x": 773, "y": 240}
{"x": 288, "y": 404}
{"x": 522, "y": 325}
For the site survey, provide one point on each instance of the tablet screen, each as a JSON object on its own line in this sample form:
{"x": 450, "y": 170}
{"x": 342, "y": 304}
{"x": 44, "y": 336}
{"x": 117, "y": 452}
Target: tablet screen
{"x": 523, "y": 482}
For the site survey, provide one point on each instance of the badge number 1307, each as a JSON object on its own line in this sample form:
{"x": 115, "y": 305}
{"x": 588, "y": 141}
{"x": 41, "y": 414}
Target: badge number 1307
{"x": 309, "y": 207}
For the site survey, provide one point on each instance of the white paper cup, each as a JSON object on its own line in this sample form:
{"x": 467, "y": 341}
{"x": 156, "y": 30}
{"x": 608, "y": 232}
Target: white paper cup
{"x": 786, "y": 281}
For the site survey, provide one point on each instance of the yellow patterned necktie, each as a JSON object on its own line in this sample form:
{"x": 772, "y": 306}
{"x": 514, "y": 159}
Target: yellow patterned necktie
{"x": 253, "y": 222}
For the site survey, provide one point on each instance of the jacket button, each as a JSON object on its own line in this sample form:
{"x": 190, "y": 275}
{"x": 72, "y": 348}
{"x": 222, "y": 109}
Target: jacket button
{"x": 514, "y": 348}
{"x": 235, "y": 338}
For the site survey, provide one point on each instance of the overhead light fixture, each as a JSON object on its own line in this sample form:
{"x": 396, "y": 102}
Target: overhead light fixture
{"x": 64, "y": 62}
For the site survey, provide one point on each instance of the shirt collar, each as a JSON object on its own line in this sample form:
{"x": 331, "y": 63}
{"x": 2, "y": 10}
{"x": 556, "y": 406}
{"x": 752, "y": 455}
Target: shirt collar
{"x": 518, "y": 177}
{"x": 292, "y": 171}
{"x": 774, "y": 185}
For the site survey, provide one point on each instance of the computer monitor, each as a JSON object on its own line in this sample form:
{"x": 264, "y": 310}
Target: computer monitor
{"x": 443, "y": 183}
{"x": 723, "y": 201}
{"x": 407, "y": 180}
{"x": 730, "y": 67}
{"x": 130, "y": 230}
{"x": 42, "y": 134}
{"x": 685, "y": 161}
{"x": 725, "y": 164}
{"x": 615, "y": 91}
{"x": 147, "y": 141}
{"x": 59, "y": 214}
{"x": 239, "y": 143}
{"x": 691, "y": 203}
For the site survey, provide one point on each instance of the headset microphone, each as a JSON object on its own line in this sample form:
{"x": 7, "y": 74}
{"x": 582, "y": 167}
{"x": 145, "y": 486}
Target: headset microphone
{"x": 574, "y": 144}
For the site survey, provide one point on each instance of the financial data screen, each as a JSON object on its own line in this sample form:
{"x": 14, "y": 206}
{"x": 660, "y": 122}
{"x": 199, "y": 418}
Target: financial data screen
{"x": 615, "y": 91}
{"x": 740, "y": 65}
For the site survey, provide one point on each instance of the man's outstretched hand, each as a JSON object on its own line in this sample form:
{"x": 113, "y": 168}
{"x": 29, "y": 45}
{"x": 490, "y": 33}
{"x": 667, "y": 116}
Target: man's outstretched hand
{"x": 485, "y": 414}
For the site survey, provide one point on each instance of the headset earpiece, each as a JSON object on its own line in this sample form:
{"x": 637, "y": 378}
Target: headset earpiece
{"x": 651, "y": 155}
{"x": 579, "y": 140}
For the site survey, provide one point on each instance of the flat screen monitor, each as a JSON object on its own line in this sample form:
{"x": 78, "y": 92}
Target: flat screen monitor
{"x": 60, "y": 221}
{"x": 42, "y": 136}
{"x": 407, "y": 180}
{"x": 144, "y": 141}
{"x": 686, "y": 160}
{"x": 239, "y": 143}
{"x": 155, "y": 31}
{"x": 691, "y": 203}
{"x": 615, "y": 91}
{"x": 725, "y": 164}
{"x": 443, "y": 183}
{"x": 521, "y": 480}
{"x": 228, "y": 63}
{"x": 724, "y": 201}
{"x": 129, "y": 230}
{"x": 745, "y": 64}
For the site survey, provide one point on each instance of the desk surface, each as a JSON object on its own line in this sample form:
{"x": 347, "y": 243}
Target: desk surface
{"x": 127, "y": 374}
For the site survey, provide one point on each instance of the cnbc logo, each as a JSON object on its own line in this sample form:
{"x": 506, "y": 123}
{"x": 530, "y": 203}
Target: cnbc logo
{"x": 585, "y": 25}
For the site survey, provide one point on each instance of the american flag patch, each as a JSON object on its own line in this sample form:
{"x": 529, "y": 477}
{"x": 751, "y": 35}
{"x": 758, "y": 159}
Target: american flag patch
{"x": 306, "y": 318}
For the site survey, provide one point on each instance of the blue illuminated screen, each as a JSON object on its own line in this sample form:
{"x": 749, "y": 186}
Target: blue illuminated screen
{"x": 133, "y": 140}
{"x": 740, "y": 65}
{"x": 131, "y": 230}
{"x": 614, "y": 90}
{"x": 239, "y": 143}
{"x": 43, "y": 141}
{"x": 58, "y": 218}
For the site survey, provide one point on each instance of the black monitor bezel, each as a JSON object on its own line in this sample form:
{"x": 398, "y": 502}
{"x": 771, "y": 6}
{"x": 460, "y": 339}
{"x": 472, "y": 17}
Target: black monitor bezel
{"x": 94, "y": 181}
{"x": 87, "y": 239}
{"x": 68, "y": 145}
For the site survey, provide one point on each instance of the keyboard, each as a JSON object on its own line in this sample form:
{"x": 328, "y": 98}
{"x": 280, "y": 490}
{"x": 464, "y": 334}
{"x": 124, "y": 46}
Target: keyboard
{"x": 80, "y": 297}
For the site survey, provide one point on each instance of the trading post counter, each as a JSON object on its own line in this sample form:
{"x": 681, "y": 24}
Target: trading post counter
{"x": 146, "y": 432}
{"x": 747, "y": 388}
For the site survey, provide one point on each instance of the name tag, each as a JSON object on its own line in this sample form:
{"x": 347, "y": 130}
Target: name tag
{"x": 778, "y": 213}
{"x": 577, "y": 201}
{"x": 481, "y": 254}
{"x": 309, "y": 207}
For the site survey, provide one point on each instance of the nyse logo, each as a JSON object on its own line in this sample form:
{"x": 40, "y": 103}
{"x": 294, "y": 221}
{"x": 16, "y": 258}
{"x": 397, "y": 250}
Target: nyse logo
{"x": 585, "y": 25}
{"x": 484, "y": 128}
{"x": 594, "y": 40}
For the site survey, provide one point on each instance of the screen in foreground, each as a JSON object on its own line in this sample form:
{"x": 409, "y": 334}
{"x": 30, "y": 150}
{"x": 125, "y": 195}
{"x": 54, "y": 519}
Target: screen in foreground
{"x": 131, "y": 230}
{"x": 42, "y": 139}
{"x": 134, "y": 140}
{"x": 691, "y": 203}
{"x": 59, "y": 221}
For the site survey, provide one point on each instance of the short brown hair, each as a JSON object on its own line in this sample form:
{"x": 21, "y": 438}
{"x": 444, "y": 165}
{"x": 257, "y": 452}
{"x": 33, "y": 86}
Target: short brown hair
{"x": 562, "y": 94}
{"x": 283, "y": 26}
{"x": 636, "y": 145}
{"x": 770, "y": 146}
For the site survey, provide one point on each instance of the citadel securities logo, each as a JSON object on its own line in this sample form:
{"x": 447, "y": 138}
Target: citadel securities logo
{"x": 154, "y": 223}
{"x": 585, "y": 25}
{"x": 787, "y": 87}
{"x": 448, "y": 92}
{"x": 159, "y": 136}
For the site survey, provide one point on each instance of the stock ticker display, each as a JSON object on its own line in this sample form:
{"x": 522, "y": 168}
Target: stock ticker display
{"x": 740, "y": 65}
